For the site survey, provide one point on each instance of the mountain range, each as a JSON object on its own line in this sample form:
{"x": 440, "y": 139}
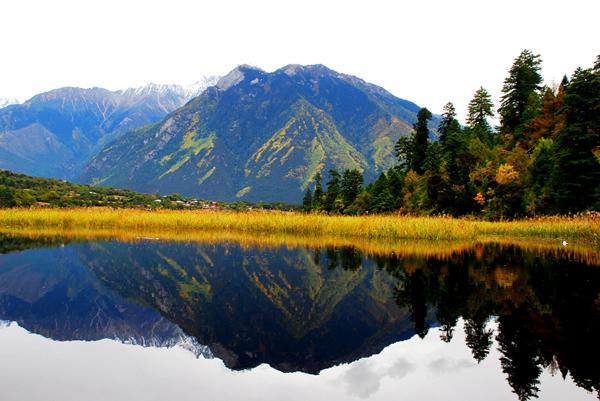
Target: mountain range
{"x": 252, "y": 135}
{"x": 55, "y": 133}
{"x": 260, "y": 136}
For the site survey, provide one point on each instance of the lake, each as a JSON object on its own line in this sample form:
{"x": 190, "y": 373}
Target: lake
{"x": 239, "y": 320}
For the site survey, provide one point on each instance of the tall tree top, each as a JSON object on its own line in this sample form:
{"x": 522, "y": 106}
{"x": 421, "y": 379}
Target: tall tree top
{"x": 523, "y": 80}
{"x": 447, "y": 121}
{"x": 480, "y": 108}
{"x": 421, "y": 136}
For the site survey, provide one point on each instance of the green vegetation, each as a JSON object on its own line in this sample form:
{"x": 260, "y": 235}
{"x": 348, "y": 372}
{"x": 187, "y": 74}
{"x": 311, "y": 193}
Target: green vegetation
{"x": 19, "y": 190}
{"x": 543, "y": 159}
{"x": 22, "y": 190}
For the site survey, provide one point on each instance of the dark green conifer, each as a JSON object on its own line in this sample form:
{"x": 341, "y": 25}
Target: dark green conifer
{"x": 351, "y": 185}
{"x": 523, "y": 81}
{"x": 576, "y": 180}
{"x": 307, "y": 202}
{"x": 318, "y": 194}
{"x": 448, "y": 122}
{"x": 420, "y": 141}
{"x": 333, "y": 191}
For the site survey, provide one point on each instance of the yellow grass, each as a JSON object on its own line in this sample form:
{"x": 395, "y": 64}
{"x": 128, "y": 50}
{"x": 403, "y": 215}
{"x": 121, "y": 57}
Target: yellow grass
{"x": 376, "y": 235}
{"x": 268, "y": 222}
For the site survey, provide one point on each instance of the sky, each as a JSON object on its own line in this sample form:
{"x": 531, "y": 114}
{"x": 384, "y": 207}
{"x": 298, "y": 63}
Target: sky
{"x": 414, "y": 369}
{"x": 429, "y": 52}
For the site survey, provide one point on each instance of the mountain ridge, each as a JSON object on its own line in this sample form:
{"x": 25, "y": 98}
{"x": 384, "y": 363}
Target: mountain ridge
{"x": 228, "y": 142}
{"x": 54, "y": 133}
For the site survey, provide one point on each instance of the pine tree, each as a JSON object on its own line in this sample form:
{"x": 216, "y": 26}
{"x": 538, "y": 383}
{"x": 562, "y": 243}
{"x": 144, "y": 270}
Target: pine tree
{"x": 437, "y": 186}
{"x": 307, "y": 202}
{"x": 318, "y": 194}
{"x": 576, "y": 179}
{"x": 448, "y": 122}
{"x": 420, "y": 141}
{"x": 480, "y": 108}
{"x": 382, "y": 199}
{"x": 351, "y": 185}
{"x": 403, "y": 149}
{"x": 538, "y": 184}
{"x": 333, "y": 191}
{"x": 523, "y": 81}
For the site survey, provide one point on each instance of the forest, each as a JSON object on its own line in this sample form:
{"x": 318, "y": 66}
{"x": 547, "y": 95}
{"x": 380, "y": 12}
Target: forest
{"x": 543, "y": 158}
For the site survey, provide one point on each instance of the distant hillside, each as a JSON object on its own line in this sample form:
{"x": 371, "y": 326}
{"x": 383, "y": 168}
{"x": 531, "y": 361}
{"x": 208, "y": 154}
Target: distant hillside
{"x": 260, "y": 136}
{"x": 22, "y": 190}
{"x": 53, "y": 134}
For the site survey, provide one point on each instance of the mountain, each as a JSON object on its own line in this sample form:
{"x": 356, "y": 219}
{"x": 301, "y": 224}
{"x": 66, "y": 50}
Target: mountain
{"x": 260, "y": 136}
{"x": 54, "y": 133}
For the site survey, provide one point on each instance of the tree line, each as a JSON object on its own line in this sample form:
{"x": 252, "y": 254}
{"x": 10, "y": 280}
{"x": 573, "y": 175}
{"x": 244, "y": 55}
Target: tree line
{"x": 543, "y": 158}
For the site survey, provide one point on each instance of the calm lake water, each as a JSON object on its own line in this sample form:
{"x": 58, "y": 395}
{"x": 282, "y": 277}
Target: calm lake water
{"x": 165, "y": 320}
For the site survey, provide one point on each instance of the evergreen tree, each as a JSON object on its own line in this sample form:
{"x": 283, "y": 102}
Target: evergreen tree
{"x": 448, "y": 122}
{"x": 538, "y": 190}
{"x": 523, "y": 82}
{"x": 382, "y": 200}
{"x": 403, "y": 149}
{"x": 395, "y": 182}
{"x": 576, "y": 179}
{"x": 436, "y": 184}
{"x": 360, "y": 204}
{"x": 411, "y": 151}
{"x": 318, "y": 194}
{"x": 420, "y": 141}
{"x": 458, "y": 164}
{"x": 333, "y": 192}
{"x": 307, "y": 202}
{"x": 351, "y": 185}
{"x": 480, "y": 109}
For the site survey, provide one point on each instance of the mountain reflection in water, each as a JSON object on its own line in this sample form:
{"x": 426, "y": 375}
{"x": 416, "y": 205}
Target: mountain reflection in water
{"x": 308, "y": 309}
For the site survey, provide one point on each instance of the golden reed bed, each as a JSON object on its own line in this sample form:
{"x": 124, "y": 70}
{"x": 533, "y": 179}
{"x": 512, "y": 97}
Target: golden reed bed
{"x": 390, "y": 227}
{"x": 403, "y": 235}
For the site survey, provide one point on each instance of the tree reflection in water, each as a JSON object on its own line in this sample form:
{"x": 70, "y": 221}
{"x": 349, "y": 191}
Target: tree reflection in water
{"x": 547, "y": 308}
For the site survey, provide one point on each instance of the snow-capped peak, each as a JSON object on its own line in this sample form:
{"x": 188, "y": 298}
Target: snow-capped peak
{"x": 186, "y": 92}
{"x": 200, "y": 86}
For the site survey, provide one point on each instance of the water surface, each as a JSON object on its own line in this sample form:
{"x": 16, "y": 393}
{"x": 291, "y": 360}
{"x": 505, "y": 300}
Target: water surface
{"x": 152, "y": 319}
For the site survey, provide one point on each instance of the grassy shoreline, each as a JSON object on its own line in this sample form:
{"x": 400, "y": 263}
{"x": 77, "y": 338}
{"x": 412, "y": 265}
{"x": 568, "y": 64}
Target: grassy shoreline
{"x": 385, "y": 227}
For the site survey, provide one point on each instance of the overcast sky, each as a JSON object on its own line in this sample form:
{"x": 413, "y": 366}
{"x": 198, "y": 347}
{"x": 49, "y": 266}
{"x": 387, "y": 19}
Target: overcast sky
{"x": 429, "y": 52}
